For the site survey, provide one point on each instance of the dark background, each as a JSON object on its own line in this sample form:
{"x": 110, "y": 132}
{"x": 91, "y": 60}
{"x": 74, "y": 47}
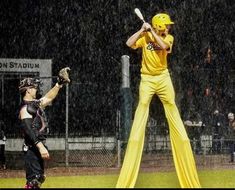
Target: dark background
{"x": 89, "y": 37}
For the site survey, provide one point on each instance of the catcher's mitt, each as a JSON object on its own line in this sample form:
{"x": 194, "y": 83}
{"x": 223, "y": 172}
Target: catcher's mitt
{"x": 63, "y": 76}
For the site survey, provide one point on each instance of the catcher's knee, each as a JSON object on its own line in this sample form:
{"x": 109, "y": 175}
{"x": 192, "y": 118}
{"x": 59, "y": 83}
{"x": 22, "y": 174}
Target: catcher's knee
{"x": 36, "y": 182}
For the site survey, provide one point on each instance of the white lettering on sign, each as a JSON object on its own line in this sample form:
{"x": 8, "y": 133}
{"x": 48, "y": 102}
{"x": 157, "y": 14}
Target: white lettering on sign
{"x": 11, "y": 65}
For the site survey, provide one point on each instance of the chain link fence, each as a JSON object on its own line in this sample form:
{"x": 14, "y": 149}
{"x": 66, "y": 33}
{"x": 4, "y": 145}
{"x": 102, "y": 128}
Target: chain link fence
{"x": 87, "y": 120}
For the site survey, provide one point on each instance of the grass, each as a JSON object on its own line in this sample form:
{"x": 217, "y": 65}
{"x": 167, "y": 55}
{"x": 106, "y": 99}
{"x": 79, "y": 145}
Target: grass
{"x": 208, "y": 179}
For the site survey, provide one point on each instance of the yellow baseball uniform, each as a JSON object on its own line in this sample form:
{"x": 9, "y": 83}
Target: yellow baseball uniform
{"x": 155, "y": 79}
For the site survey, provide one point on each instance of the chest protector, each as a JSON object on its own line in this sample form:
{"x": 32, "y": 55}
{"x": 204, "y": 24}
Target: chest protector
{"x": 40, "y": 123}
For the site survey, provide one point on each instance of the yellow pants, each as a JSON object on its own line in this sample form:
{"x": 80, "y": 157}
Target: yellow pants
{"x": 180, "y": 144}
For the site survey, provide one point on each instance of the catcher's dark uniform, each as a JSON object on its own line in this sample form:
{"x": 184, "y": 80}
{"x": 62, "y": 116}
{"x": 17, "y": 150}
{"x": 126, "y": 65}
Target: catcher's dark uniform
{"x": 34, "y": 164}
{"x": 34, "y": 125}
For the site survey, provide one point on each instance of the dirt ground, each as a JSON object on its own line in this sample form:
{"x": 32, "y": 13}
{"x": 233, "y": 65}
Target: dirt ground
{"x": 73, "y": 171}
{"x": 149, "y": 163}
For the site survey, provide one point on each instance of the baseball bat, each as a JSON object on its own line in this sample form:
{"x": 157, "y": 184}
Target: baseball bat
{"x": 139, "y": 14}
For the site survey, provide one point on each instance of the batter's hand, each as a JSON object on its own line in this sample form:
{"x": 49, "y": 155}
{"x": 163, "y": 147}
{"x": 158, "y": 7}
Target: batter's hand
{"x": 146, "y": 26}
{"x": 63, "y": 76}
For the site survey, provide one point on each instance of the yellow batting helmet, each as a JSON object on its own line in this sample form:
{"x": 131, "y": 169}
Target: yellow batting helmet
{"x": 159, "y": 21}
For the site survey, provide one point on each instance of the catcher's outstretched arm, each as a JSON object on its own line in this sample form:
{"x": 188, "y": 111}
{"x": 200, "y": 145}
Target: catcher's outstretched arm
{"x": 50, "y": 96}
{"x": 63, "y": 78}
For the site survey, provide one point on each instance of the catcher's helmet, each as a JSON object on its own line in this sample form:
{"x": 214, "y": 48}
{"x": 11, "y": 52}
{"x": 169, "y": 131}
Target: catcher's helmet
{"x": 29, "y": 83}
{"x": 160, "y": 20}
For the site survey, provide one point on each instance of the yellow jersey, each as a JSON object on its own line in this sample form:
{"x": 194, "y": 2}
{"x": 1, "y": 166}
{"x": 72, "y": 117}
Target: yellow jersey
{"x": 154, "y": 59}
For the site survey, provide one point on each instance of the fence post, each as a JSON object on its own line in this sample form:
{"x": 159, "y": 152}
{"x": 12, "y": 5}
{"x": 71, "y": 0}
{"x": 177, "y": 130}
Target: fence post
{"x": 66, "y": 127}
{"x": 118, "y": 138}
{"x": 2, "y": 81}
{"x": 126, "y": 99}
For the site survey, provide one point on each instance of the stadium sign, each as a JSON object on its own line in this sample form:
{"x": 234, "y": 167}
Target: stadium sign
{"x": 41, "y": 66}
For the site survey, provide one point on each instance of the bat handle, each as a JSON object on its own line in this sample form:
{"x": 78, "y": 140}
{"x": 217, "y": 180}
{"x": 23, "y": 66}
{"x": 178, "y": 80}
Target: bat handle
{"x": 147, "y": 29}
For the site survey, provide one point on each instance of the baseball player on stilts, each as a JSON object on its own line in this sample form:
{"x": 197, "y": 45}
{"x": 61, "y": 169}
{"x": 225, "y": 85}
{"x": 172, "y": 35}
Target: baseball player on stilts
{"x": 34, "y": 126}
{"x": 156, "y": 43}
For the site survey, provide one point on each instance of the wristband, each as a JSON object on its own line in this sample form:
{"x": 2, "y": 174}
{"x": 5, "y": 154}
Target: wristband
{"x": 59, "y": 86}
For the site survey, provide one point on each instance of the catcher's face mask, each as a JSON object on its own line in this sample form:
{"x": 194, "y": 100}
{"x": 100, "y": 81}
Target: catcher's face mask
{"x": 30, "y": 83}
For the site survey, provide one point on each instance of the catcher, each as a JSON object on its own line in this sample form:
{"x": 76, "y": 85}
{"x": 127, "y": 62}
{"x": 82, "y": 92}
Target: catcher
{"x": 34, "y": 126}
{"x": 156, "y": 43}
